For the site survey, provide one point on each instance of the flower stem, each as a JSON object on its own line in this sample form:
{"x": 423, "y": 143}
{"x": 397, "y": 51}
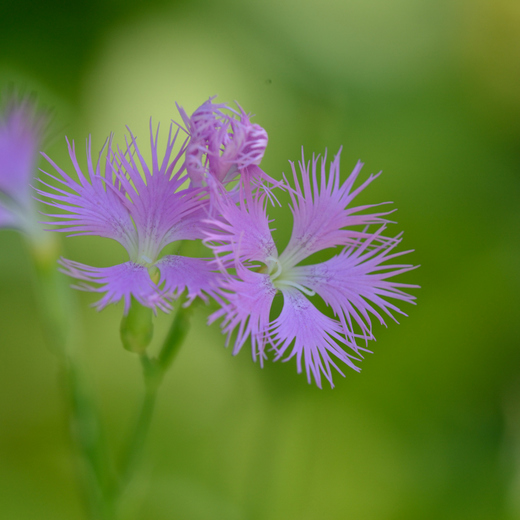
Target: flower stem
{"x": 154, "y": 370}
{"x": 54, "y": 297}
{"x": 96, "y": 471}
{"x": 102, "y": 488}
{"x": 135, "y": 446}
{"x": 176, "y": 335}
{"x": 57, "y": 311}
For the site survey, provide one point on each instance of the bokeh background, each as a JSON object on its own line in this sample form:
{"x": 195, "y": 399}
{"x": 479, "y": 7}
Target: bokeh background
{"x": 427, "y": 91}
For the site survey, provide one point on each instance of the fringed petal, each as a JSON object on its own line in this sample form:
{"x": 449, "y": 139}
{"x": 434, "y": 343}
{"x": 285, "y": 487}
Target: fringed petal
{"x": 355, "y": 282}
{"x": 242, "y": 232}
{"x": 195, "y": 275}
{"x": 163, "y": 210}
{"x": 314, "y": 338}
{"x": 320, "y": 210}
{"x": 97, "y": 204}
{"x": 142, "y": 206}
{"x": 122, "y": 281}
{"x": 249, "y": 298}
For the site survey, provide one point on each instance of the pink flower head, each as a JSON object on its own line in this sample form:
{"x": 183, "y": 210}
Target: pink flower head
{"x": 21, "y": 132}
{"x": 223, "y": 146}
{"x": 354, "y": 282}
{"x": 144, "y": 208}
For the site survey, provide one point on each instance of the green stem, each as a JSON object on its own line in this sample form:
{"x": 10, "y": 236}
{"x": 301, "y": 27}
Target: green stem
{"x": 97, "y": 478}
{"x": 135, "y": 447}
{"x": 153, "y": 373}
{"x": 57, "y": 311}
{"x": 54, "y": 297}
{"x": 176, "y": 336}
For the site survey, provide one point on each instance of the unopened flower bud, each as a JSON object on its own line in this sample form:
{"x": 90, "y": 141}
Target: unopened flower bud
{"x": 137, "y": 328}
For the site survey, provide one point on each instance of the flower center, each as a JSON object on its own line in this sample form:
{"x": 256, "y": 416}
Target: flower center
{"x": 153, "y": 270}
{"x": 146, "y": 260}
{"x": 281, "y": 277}
{"x": 155, "y": 274}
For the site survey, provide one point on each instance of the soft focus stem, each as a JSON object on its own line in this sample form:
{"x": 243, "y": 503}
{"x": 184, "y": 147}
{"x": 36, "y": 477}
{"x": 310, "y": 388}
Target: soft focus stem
{"x": 102, "y": 490}
{"x": 176, "y": 335}
{"x": 57, "y": 311}
{"x": 154, "y": 370}
{"x": 136, "y": 442}
{"x": 54, "y": 297}
{"x": 96, "y": 471}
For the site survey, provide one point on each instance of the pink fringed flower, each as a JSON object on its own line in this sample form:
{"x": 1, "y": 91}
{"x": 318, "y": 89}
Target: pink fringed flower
{"x": 21, "y": 131}
{"x": 144, "y": 208}
{"x": 223, "y": 146}
{"x": 354, "y": 283}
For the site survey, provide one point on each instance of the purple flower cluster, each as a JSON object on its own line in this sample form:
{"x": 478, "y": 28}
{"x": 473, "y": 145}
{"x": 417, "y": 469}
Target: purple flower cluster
{"x": 211, "y": 187}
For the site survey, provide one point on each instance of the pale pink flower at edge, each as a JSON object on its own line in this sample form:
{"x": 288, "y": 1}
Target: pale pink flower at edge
{"x": 354, "y": 282}
{"x": 21, "y": 133}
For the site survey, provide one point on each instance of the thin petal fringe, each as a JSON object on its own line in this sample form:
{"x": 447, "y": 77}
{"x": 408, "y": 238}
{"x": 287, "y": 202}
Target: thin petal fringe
{"x": 117, "y": 282}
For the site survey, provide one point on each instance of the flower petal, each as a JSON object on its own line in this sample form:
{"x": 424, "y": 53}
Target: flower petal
{"x": 97, "y": 204}
{"x": 179, "y": 273}
{"x": 247, "y": 144}
{"x": 315, "y": 337}
{"x": 7, "y": 218}
{"x": 161, "y": 210}
{"x": 242, "y": 233}
{"x": 320, "y": 210}
{"x": 140, "y": 206}
{"x": 250, "y": 296}
{"x": 355, "y": 281}
{"x": 122, "y": 281}
{"x": 21, "y": 132}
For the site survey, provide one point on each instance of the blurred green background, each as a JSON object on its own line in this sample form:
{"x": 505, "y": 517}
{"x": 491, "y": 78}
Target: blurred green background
{"x": 426, "y": 90}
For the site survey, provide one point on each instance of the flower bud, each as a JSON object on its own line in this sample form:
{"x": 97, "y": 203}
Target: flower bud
{"x": 137, "y": 328}
{"x": 221, "y": 146}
